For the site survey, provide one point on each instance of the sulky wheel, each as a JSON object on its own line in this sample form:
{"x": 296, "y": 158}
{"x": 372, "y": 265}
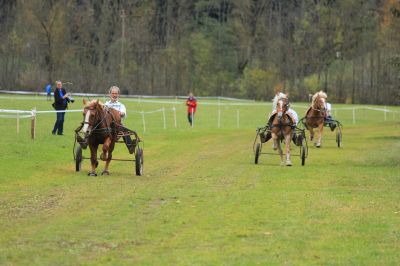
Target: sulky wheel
{"x": 303, "y": 152}
{"x": 78, "y": 158}
{"x": 257, "y": 153}
{"x": 139, "y": 162}
{"x": 339, "y": 137}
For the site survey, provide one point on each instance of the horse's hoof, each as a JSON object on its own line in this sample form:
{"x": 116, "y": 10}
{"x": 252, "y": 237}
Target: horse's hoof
{"x": 282, "y": 164}
{"x": 318, "y": 145}
{"x": 105, "y": 173}
{"x": 92, "y": 174}
{"x": 288, "y": 163}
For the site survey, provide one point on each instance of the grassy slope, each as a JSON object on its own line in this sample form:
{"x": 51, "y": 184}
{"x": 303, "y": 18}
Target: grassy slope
{"x": 202, "y": 200}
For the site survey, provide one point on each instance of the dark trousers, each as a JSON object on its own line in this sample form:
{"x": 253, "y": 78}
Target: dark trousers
{"x": 59, "y": 124}
{"x": 127, "y": 139}
{"x": 190, "y": 118}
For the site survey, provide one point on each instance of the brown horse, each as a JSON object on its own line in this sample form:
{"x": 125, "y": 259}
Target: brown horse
{"x": 281, "y": 127}
{"x": 315, "y": 116}
{"x": 100, "y": 126}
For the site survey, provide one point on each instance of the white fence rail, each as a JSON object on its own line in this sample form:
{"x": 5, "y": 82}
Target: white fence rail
{"x": 232, "y": 116}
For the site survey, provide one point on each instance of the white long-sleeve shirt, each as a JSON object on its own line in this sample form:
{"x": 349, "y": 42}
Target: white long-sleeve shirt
{"x": 120, "y": 107}
{"x": 328, "y": 107}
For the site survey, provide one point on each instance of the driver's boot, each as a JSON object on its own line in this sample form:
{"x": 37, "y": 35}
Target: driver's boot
{"x": 129, "y": 144}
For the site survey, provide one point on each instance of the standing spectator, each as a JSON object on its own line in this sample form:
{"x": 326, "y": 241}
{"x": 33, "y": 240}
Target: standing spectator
{"x": 120, "y": 107}
{"x": 191, "y": 103}
{"x": 48, "y": 91}
{"x": 61, "y": 101}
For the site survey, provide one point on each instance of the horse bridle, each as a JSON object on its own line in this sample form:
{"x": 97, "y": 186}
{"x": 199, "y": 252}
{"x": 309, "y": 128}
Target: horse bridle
{"x": 318, "y": 110}
{"x": 287, "y": 105}
{"x": 95, "y": 128}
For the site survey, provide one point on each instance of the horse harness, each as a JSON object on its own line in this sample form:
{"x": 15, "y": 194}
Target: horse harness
{"x": 95, "y": 130}
{"x": 280, "y": 125}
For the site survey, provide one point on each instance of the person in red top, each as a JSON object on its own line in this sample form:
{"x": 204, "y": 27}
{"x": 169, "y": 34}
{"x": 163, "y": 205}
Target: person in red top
{"x": 191, "y": 103}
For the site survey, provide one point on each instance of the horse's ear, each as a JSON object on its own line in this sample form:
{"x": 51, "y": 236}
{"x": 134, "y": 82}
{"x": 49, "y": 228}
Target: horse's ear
{"x": 84, "y": 101}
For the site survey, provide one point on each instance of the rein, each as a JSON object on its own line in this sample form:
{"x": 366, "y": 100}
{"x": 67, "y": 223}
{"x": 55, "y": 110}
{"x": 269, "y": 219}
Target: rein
{"x": 280, "y": 124}
{"x": 95, "y": 129}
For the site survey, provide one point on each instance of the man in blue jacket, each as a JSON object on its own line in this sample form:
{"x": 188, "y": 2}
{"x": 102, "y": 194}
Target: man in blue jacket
{"x": 48, "y": 91}
{"x": 61, "y": 100}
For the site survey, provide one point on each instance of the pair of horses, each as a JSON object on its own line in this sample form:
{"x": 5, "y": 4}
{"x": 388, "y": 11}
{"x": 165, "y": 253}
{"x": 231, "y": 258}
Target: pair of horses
{"x": 282, "y": 125}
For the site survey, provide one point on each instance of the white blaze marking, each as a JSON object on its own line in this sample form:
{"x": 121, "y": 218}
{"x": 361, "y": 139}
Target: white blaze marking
{"x": 86, "y": 125}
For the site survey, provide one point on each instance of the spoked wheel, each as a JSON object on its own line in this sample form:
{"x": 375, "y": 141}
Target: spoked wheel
{"x": 139, "y": 162}
{"x": 78, "y": 158}
{"x": 339, "y": 137}
{"x": 303, "y": 152}
{"x": 257, "y": 153}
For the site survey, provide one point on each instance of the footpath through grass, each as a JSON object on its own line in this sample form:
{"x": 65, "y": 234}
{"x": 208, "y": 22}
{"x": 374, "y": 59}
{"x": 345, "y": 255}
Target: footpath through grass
{"x": 202, "y": 200}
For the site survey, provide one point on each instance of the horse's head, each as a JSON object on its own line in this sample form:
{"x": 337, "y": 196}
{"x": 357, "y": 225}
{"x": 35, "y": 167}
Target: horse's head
{"x": 92, "y": 115}
{"x": 282, "y": 104}
{"x": 319, "y": 101}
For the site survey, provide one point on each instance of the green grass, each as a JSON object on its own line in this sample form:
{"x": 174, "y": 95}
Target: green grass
{"x": 201, "y": 200}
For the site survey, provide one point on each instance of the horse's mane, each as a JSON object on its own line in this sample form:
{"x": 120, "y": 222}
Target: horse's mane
{"x": 99, "y": 107}
{"x": 316, "y": 96}
{"x": 277, "y": 97}
{"x": 93, "y": 103}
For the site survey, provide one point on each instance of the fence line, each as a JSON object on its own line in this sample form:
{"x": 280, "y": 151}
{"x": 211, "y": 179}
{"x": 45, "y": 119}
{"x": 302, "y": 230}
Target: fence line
{"x": 21, "y": 114}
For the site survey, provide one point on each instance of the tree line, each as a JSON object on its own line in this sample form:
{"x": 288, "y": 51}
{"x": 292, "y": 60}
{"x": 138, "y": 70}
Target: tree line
{"x": 237, "y": 48}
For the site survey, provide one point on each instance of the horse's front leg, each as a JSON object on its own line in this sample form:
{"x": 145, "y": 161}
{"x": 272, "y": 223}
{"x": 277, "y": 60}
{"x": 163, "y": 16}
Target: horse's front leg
{"x": 93, "y": 160}
{"x": 277, "y": 145}
{"x": 311, "y": 133}
{"x": 321, "y": 131}
{"x": 274, "y": 137}
{"x": 108, "y": 148}
{"x": 104, "y": 154}
{"x": 288, "y": 139}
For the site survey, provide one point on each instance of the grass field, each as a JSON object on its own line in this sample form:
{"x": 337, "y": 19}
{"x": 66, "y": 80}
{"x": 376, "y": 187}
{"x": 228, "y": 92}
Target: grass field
{"x": 201, "y": 200}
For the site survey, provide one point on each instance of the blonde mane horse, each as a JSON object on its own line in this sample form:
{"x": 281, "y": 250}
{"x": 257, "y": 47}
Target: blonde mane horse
{"x": 282, "y": 126}
{"x": 315, "y": 116}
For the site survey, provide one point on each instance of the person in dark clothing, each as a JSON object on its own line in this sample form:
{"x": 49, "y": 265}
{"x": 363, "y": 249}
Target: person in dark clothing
{"x": 191, "y": 103}
{"x": 61, "y": 100}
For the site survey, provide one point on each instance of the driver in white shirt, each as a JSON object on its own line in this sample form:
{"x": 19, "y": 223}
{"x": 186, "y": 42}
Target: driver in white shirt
{"x": 120, "y": 107}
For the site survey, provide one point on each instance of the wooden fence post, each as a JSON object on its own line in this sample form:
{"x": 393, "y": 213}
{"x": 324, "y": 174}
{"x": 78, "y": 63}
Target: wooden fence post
{"x": 33, "y": 124}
